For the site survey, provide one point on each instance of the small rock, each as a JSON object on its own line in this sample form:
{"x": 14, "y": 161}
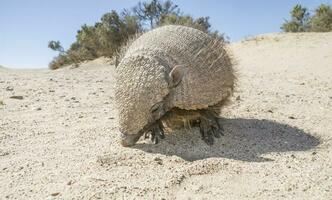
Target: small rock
{"x": 80, "y": 116}
{"x": 55, "y": 194}
{"x": 314, "y": 153}
{"x": 16, "y": 97}
{"x": 270, "y": 111}
{"x": 4, "y": 153}
{"x": 70, "y": 182}
{"x": 51, "y": 91}
{"x": 9, "y": 88}
{"x": 238, "y": 98}
{"x": 291, "y": 117}
{"x": 158, "y": 160}
{"x": 38, "y": 108}
{"x": 302, "y": 83}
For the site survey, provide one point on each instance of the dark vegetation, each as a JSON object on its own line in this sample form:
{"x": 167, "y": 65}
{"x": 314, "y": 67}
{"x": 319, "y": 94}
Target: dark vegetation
{"x": 304, "y": 21}
{"x": 114, "y": 29}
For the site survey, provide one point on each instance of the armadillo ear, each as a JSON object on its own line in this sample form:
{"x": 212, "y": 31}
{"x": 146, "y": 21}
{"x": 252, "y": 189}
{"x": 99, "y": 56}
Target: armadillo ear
{"x": 176, "y": 75}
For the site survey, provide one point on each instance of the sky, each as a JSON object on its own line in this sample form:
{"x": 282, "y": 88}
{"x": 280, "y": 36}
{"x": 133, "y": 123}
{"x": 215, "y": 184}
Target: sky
{"x": 26, "y": 26}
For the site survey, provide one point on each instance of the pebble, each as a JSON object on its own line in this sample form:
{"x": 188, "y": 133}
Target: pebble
{"x": 158, "y": 160}
{"x": 55, "y": 194}
{"x": 16, "y": 97}
{"x": 9, "y": 88}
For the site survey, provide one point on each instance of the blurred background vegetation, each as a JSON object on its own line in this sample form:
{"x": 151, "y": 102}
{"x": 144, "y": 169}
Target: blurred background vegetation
{"x": 303, "y": 21}
{"x": 114, "y": 29}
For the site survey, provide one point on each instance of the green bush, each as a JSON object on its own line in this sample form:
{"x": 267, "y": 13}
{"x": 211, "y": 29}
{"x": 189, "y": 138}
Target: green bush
{"x": 102, "y": 39}
{"x": 301, "y": 21}
{"x": 59, "y": 61}
{"x": 322, "y": 20}
{"x": 113, "y": 30}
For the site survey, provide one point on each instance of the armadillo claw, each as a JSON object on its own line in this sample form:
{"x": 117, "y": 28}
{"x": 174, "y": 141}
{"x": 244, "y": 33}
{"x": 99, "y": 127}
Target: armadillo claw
{"x": 210, "y": 128}
{"x": 157, "y": 132}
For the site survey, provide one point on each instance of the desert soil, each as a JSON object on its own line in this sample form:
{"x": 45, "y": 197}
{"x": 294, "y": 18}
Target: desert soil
{"x": 61, "y": 140}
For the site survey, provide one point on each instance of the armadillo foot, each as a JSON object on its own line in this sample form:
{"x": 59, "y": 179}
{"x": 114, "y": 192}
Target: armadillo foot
{"x": 156, "y": 132}
{"x": 209, "y": 127}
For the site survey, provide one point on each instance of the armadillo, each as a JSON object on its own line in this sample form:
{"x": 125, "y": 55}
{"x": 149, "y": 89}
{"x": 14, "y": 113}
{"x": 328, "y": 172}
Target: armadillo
{"x": 174, "y": 76}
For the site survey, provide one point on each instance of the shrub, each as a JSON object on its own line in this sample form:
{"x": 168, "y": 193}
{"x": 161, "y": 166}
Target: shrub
{"x": 299, "y": 21}
{"x": 153, "y": 12}
{"x": 322, "y": 20}
{"x": 106, "y": 37}
{"x": 102, "y": 39}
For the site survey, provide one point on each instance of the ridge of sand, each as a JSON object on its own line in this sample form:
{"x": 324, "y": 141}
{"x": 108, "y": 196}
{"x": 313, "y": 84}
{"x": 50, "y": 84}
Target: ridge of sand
{"x": 60, "y": 140}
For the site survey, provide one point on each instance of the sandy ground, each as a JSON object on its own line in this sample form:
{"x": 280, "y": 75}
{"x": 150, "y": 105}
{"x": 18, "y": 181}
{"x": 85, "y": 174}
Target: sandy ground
{"x": 61, "y": 140}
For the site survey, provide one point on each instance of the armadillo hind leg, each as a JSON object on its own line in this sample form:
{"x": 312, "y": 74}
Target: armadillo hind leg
{"x": 209, "y": 126}
{"x": 156, "y": 132}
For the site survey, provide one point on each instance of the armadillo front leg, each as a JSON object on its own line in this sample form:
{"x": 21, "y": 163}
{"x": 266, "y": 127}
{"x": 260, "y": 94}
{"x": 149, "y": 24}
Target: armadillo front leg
{"x": 209, "y": 127}
{"x": 156, "y": 132}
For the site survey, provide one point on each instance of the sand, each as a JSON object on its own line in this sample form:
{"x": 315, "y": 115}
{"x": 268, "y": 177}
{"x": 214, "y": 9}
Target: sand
{"x": 61, "y": 140}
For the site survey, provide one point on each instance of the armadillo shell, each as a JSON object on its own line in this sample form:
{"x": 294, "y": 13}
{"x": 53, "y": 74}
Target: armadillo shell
{"x": 143, "y": 73}
{"x": 209, "y": 76}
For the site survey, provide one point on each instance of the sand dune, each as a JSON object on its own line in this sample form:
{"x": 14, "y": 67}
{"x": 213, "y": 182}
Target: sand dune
{"x": 58, "y": 137}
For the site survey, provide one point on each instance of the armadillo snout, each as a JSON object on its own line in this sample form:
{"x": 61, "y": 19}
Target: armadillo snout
{"x": 128, "y": 140}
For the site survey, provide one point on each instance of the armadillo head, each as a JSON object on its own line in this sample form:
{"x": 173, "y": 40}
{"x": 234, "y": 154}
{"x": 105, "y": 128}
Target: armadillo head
{"x": 142, "y": 83}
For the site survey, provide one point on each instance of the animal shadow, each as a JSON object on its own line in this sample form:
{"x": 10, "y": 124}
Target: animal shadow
{"x": 244, "y": 139}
